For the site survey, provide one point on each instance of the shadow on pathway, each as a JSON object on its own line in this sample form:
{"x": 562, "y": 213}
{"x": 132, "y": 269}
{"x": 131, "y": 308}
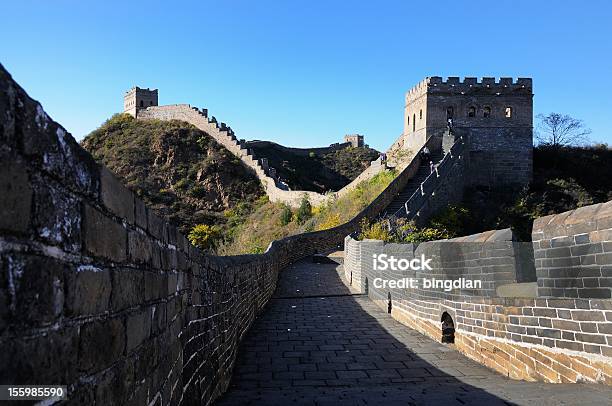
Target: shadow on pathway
{"x": 318, "y": 343}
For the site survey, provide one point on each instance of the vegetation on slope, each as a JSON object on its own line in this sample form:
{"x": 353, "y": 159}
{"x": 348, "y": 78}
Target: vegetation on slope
{"x": 178, "y": 170}
{"x": 187, "y": 177}
{"x": 318, "y": 172}
{"x": 271, "y": 221}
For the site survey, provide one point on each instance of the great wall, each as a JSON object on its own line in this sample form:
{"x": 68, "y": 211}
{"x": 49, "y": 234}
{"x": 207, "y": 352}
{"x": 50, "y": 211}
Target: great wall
{"x": 100, "y": 294}
{"x": 224, "y": 135}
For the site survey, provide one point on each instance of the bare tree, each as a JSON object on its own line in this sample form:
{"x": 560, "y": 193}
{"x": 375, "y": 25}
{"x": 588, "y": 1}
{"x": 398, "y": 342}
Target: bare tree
{"x": 559, "y": 130}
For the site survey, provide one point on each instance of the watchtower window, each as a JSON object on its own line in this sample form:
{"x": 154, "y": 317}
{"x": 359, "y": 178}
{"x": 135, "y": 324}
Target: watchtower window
{"x": 472, "y": 112}
{"x": 508, "y": 112}
{"x": 413, "y": 122}
{"x": 150, "y": 103}
{"x": 141, "y": 104}
{"x": 420, "y": 114}
{"x": 449, "y": 112}
{"x": 486, "y": 112}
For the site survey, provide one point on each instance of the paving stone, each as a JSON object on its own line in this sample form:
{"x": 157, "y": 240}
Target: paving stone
{"x": 399, "y": 366}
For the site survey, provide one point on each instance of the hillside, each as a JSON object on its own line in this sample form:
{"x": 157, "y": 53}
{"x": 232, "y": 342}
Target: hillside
{"x": 177, "y": 169}
{"x": 317, "y": 170}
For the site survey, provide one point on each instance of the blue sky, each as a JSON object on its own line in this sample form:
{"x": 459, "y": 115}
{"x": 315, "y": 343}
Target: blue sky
{"x": 304, "y": 73}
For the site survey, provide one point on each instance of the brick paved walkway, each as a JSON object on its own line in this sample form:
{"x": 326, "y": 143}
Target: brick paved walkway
{"x": 317, "y": 343}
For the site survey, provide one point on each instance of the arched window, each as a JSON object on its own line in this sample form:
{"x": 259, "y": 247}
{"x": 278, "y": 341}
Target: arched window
{"x": 508, "y": 112}
{"x": 408, "y": 120}
{"x": 448, "y": 329}
{"x": 449, "y": 112}
{"x": 141, "y": 104}
{"x": 486, "y": 111}
{"x": 421, "y": 114}
{"x": 413, "y": 122}
{"x": 472, "y": 111}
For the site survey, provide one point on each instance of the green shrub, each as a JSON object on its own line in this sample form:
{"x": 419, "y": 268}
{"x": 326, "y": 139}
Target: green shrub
{"x": 452, "y": 219}
{"x": 420, "y": 235}
{"x": 285, "y": 216}
{"x": 304, "y": 212}
{"x": 204, "y": 236}
{"x": 375, "y": 231}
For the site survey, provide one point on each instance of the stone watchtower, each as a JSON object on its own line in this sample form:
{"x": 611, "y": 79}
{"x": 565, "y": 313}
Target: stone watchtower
{"x": 494, "y": 116}
{"x": 356, "y": 140}
{"x": 137, "y": 98}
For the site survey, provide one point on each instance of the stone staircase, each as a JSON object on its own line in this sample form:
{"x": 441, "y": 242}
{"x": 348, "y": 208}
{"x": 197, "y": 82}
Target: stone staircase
{"x": 396, "y": 207}
{"x": 224, "y": 135}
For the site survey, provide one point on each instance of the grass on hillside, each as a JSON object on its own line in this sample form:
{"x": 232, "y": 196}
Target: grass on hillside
{"x": 272, "y": 221}
{"x": 178, "y": 170}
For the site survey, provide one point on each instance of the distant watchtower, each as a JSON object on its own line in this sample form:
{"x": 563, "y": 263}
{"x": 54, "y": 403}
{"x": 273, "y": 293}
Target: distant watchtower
{"x": 356, "y": 140}
{"x": 494, "y": 116}
{"x": 137, "y": 98}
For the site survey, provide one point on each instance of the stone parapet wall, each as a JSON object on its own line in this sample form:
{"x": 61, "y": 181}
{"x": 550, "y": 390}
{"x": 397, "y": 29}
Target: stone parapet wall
{"x": 224, "y": 136}
{"x": 573, "y": 253}
{"x": 543, "y": 339}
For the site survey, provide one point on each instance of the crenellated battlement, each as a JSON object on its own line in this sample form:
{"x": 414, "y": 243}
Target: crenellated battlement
{"x": 454, "y": 83}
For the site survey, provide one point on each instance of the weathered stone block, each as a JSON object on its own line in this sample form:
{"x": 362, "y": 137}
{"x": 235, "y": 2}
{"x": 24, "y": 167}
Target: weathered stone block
{"x": 15, "y": 197}
{"x": 168, "y": 259}
{"x": 139, "y": 247}
{"x": 101, "y": 343}
{"x": 115, "y": 386}
{"x": 102, "y": 236}
{"x": 88, "y": 290}
{"x": 140, "y": 213}
{"x": 116, "y": 197}
{"x": 57, "y": 217}
{"x": 155, "y": 284}
{"x": 39, "y": 289}
{"x": 138, "y": 328}
{"x": 156, "y": 226}
{"x": 50, "y": 357}
{"x": 158, "y": 323}
{"x": 128, "y": 288}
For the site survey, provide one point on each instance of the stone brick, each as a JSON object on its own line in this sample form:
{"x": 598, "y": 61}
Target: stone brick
{"x": 156, "y": 226}
{"x": 138, "y": 328}
{"x": 155, "y": 285}
{"x": 56, "y": 217}
{"x": 115, "y": 385}
{"x": 139, "y": 247}
{"x": 590, "y": 338}
{"x": 586, "y": 315}
{"x": 127, "y": 287}
{"x": 88, "y": 290}
{"x": 140, "y": 213}
{"x": 116, "y": 197}
{"x": 158, "y": 322}
{"x": 15, "y": 197}
{"x": 50, "y": 357}
{"x": 102, "y": 236}
{"x": 101, "y": 343}
{"x": 596, "y": 293}
{"x": 38, "y": 288}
